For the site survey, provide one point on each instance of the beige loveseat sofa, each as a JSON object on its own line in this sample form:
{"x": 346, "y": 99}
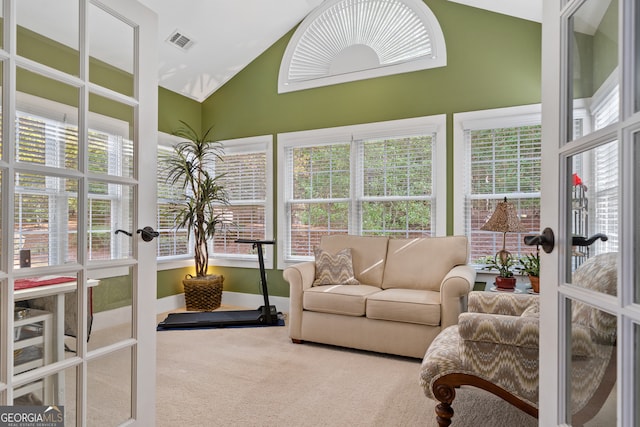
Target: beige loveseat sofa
{"x": 408, "y": 291}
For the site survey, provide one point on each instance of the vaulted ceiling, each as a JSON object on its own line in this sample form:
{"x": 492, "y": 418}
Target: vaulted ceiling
{"x": 227, "y": 35}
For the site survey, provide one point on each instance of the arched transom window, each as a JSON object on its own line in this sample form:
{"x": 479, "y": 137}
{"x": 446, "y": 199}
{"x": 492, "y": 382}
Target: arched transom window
{"x": 347, "y": 40}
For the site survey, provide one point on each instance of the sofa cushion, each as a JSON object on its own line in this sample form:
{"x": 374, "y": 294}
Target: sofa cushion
{"x": 334, "y": 269}
{"x": 405, "y": 305}
{"x": 422, "y": 263}
{"x": 338, "y": 299}
{"x": 368, "y": 254}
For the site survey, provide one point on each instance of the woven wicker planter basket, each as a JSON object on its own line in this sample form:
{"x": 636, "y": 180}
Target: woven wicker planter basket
{"x": 203, "y": 293}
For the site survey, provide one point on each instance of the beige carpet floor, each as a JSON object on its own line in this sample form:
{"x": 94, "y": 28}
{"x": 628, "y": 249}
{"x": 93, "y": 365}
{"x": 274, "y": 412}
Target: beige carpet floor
{"x": 257, "y": 377}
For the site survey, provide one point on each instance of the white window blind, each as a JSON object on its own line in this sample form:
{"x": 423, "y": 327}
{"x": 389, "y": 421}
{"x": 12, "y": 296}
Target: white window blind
{"x": 607, "y": 205}
{"x": 607, "y": 110}
{"x": 501, "y": 162}
{"x": 171, "y": 241}
{"x": 244, "y": 178}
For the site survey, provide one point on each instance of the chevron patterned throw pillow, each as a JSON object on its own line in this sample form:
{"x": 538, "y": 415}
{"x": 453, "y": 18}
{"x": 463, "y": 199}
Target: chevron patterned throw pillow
{"x": 334, "y": 269}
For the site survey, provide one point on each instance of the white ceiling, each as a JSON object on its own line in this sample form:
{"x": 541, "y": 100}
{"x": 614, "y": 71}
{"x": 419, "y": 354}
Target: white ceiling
{"x": 227, "y": 34}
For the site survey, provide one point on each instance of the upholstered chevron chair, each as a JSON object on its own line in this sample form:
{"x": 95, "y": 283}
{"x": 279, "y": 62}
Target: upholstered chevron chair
{"x": 494, "y": 347}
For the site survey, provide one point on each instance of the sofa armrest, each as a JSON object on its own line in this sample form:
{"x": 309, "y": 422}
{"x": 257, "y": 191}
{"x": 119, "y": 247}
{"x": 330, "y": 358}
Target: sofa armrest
{"x": 517, "y": 331}
{"x": 508, "y": 304}
{"x": 455, "y": 286}
{"x": 300, "y": 277}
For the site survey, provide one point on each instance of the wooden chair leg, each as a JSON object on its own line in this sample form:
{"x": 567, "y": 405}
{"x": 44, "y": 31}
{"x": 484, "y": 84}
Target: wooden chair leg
{"x": 444, "y": 413}
{"x": 444, "y": 393}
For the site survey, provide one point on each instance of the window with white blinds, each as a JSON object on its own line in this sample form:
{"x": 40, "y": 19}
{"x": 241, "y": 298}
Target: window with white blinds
{"x": 245, "y": 173}
{"x": 502, "y": 159}
{"x": 244, "y": 179}
{"x": 46, "y": 213}
{"x": 172, "y": 241}
{"x": 395, "y": 194}
{"x": 363, "y": 180}
{"x": 597, "y": 170}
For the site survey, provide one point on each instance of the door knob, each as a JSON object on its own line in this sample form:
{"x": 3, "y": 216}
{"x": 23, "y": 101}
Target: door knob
{"x": 546, "y": 240}
{"x": 147, "y": 233}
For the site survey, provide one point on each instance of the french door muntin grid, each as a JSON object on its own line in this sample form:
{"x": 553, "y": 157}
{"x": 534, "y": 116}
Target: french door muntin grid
{"x": 9, "y": 167}
{"x": 622, "y": 133}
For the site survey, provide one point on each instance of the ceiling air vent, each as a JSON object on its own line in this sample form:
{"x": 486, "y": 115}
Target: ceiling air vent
{"x": 180, "y": 40}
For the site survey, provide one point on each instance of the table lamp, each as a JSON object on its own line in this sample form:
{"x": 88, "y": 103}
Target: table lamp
{"x": 504, "y": 220}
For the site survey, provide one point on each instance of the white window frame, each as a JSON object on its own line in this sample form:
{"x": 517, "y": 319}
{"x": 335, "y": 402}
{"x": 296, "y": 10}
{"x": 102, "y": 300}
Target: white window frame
{"x": 396, "y": 128}
{"x": 485, "y": 119}
{"x": 262, "y": 143}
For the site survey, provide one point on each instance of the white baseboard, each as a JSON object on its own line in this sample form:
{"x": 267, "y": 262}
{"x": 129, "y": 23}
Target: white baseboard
{"x": 118, "y": 316}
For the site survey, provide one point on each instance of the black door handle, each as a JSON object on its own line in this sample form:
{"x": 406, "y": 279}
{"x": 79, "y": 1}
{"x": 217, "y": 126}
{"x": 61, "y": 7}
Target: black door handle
{"x": 147, "y": 233}
{"x": 546, "y": 240}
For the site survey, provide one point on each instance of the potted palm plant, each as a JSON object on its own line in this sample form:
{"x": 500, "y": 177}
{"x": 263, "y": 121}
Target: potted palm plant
{"x": 201, "y": 212}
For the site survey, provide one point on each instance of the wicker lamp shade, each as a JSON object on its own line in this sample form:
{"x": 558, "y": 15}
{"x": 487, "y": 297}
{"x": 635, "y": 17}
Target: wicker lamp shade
{"x": 504, "y": 220}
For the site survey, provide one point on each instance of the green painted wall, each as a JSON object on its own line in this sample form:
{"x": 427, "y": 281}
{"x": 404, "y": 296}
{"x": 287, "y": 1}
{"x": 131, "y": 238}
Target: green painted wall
{"x": 493, "y": 61}
{"x": 595, "y": 55}
{"x": 605, "y": 46}
{"x": 173, "y": 107}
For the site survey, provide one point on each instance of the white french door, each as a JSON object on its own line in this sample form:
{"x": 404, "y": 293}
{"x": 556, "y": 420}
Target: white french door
{"x": 590, "y": 182}
{"x": 78, "y": 174}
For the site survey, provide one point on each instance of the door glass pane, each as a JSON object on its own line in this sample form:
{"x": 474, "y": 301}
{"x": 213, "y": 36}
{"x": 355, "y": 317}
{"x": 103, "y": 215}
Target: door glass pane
{"x": 110, "y": 209}
{"x": 593, "y": 67}
{"x": 58, "y": 390}
{"x": 636, "y": 369}
{"x": 109, "y": 67}
{"x": 1, "y": 24}
{"x": 47, "y": 125}
{"x": 594, "y": 184}
{"x": 109, "y": 389}
{"x": 636, "y": 208}
{"x": 45, "y": 220}
{"x": 45, "y": 316}
{"x": 637, "y": 59}
{"x": 48, "y": 33}
{"x": 1, "y": 94}
{"x": 110, "y": 299}
{"x": 110, "y": 137}
{"x": 592, "y": 348}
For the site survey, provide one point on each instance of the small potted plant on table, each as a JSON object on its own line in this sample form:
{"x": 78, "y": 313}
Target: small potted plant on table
{"x": 190, "y": 169}
{"x": 530, "y": 265}
{"x": 504, "y": 264}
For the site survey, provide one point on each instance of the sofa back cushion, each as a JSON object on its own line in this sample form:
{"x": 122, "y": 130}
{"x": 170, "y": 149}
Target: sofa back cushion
{"x": 422, "y": 263}
{"x": 367, "y": 252}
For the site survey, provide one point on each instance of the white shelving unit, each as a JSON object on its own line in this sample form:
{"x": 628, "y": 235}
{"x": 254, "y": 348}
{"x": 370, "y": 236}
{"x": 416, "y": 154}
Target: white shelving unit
{"x": 33, "y": 348}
